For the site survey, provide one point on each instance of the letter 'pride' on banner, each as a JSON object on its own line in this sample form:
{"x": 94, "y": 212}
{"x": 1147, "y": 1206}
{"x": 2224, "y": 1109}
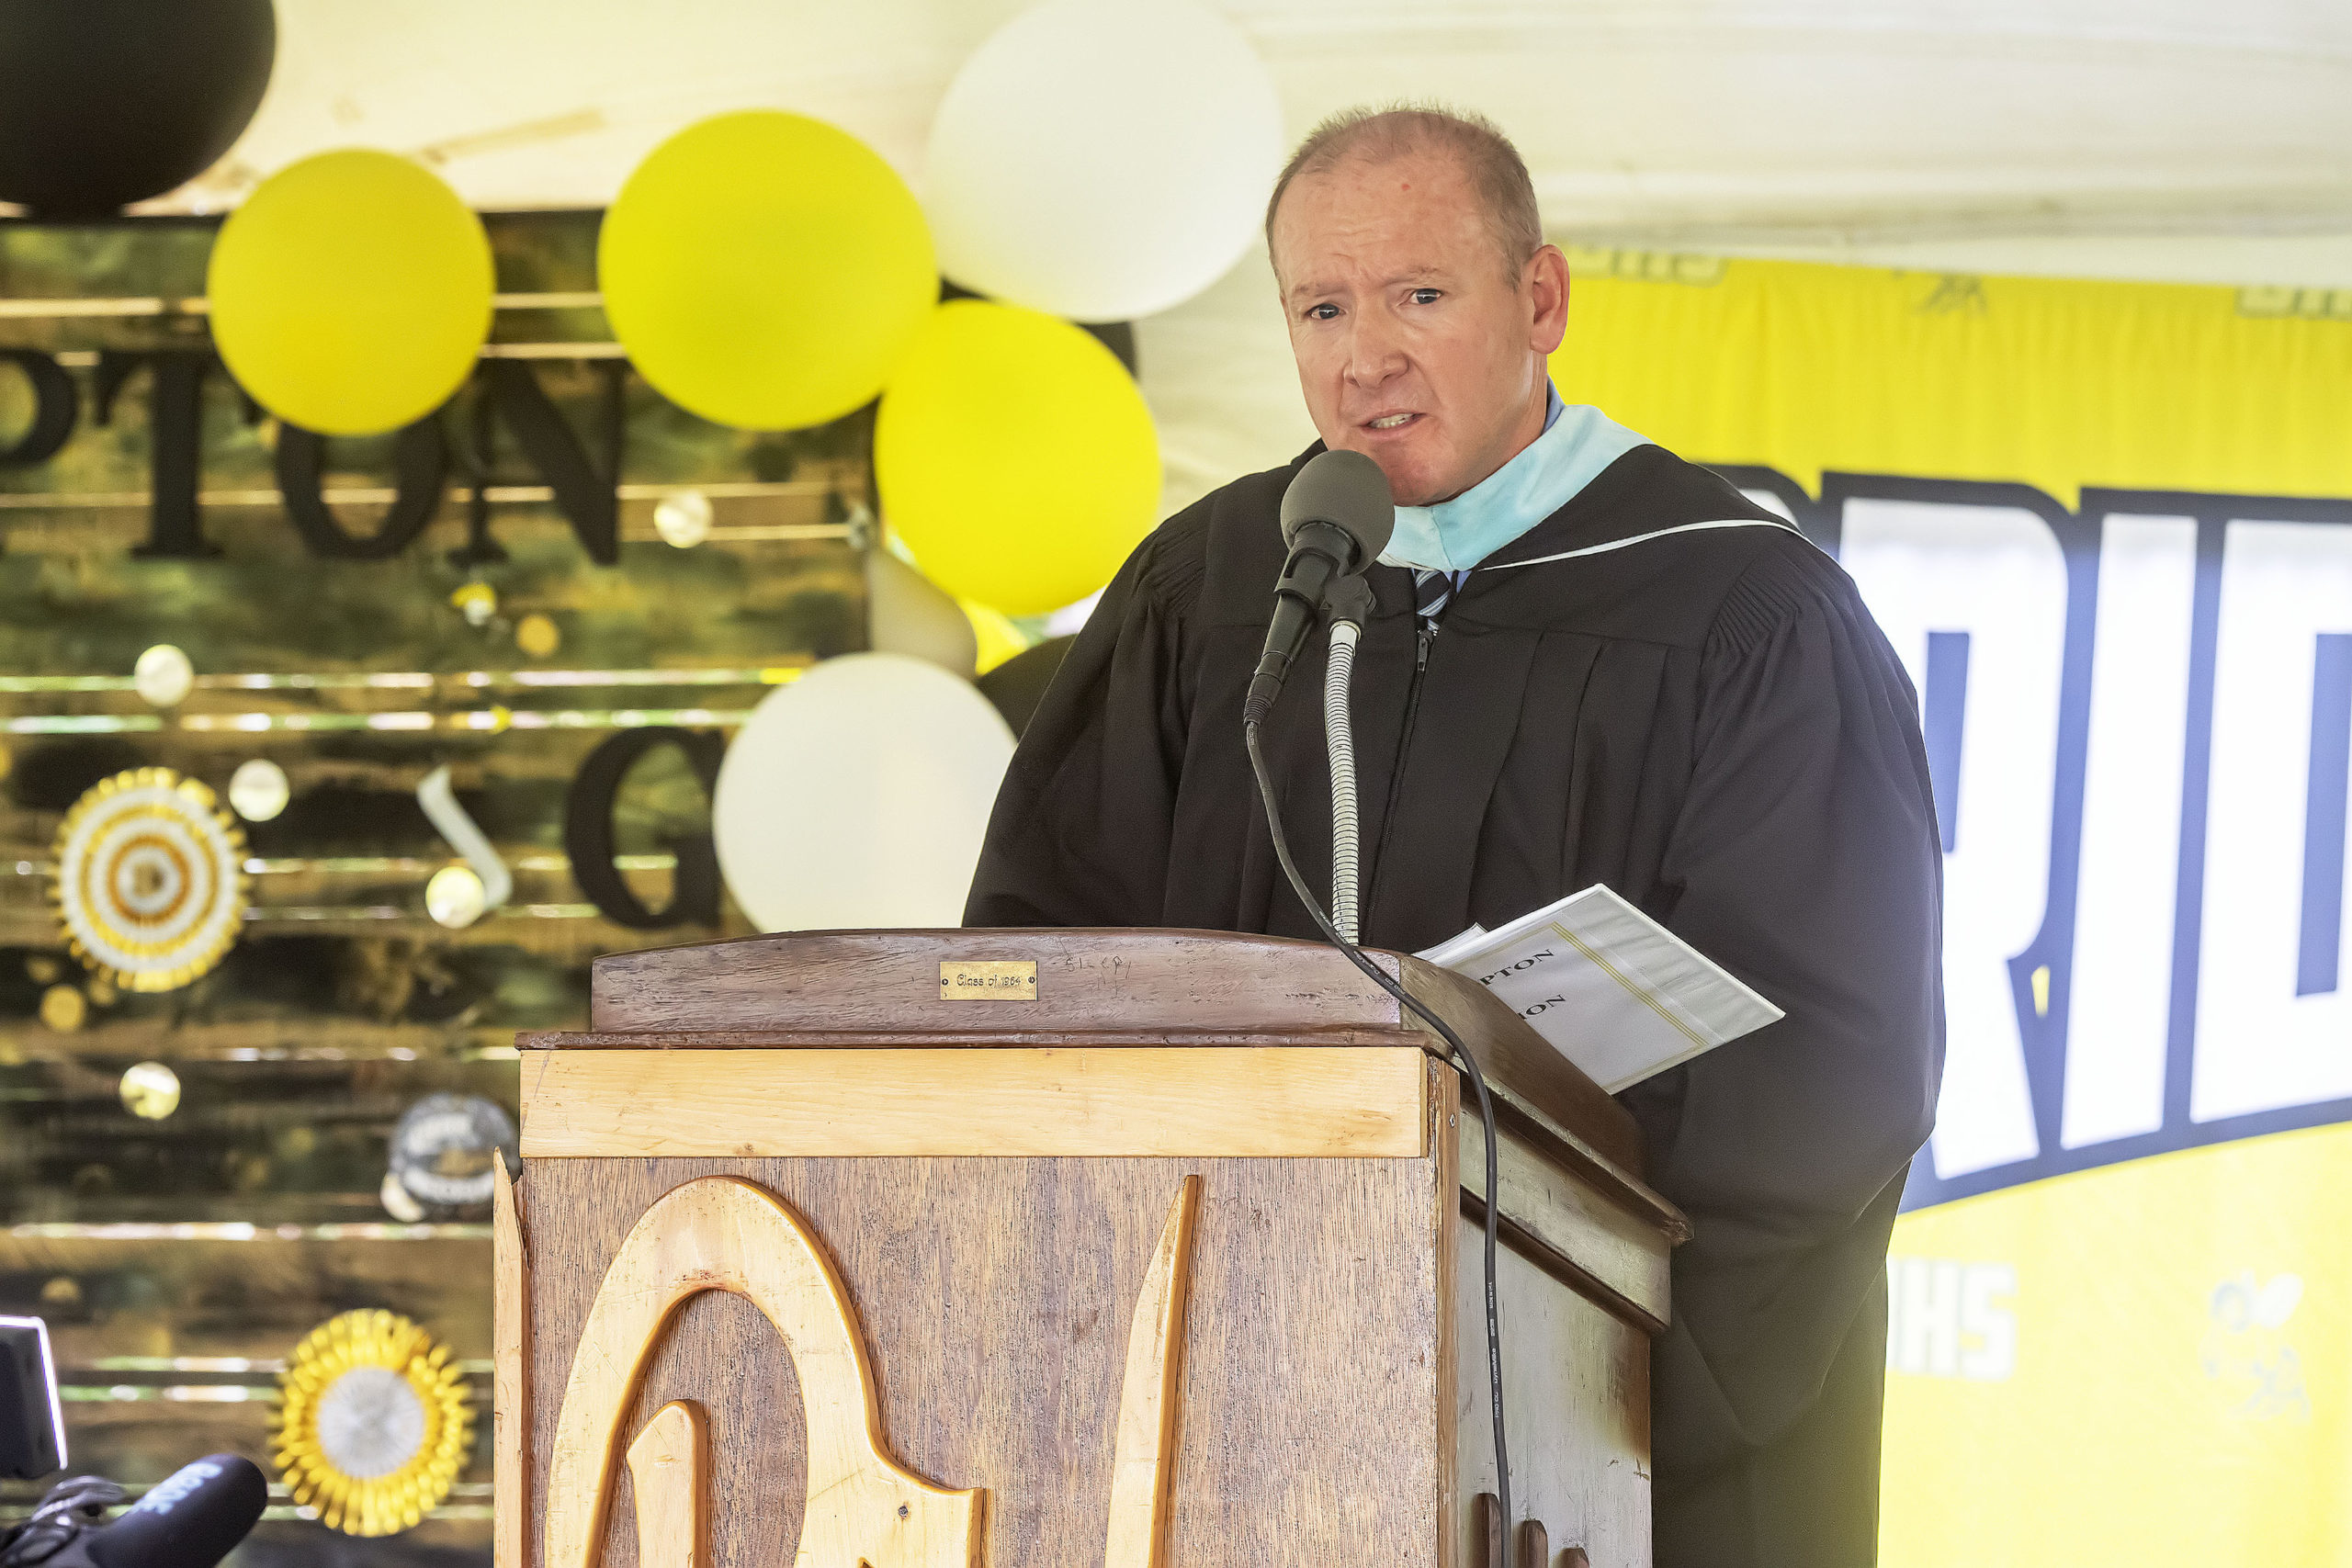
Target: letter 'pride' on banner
{"x": 2119, "y": 1001}
{"x": 2138, "y": 724}
{"x": 2273, "y": 1018}
{"x": 1973, "y": 599}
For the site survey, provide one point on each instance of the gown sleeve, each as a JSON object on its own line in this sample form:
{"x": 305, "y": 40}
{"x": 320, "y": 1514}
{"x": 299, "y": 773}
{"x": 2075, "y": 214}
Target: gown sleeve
{"x": 1805, "y": 859}
{"x": 1080, "y": 830}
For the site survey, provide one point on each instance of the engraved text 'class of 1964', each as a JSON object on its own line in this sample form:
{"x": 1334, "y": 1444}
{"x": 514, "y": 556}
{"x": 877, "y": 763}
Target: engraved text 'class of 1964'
{"x": 978, "y": 980}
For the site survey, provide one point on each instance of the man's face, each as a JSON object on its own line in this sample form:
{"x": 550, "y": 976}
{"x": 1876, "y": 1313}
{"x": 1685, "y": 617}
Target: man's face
{"x": 1414, "y": 346}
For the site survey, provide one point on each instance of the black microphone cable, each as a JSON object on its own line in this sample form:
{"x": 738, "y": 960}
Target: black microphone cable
{"x": 1466, "y": 1065}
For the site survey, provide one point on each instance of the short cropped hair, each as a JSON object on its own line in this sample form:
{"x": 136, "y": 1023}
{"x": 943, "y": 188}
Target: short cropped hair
{"x": 1377, "y": 136}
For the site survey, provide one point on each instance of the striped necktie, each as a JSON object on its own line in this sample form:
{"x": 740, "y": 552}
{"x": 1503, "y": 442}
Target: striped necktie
{"x": 1432, "y": 591}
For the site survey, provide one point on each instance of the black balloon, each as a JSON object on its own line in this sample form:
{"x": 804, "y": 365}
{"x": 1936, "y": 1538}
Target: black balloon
{"x": 1018, "y": 686}
{"x": 1119, "y": 337}
{"x": 107, "y": 102}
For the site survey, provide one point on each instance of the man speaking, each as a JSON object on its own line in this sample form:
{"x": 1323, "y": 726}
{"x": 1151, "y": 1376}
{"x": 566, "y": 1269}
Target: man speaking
{"x": 1588, "y": 662}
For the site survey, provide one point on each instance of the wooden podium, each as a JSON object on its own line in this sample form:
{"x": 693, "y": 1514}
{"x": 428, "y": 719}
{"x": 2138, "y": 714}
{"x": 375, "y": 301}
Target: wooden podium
{"x": 1058, "y": 1248}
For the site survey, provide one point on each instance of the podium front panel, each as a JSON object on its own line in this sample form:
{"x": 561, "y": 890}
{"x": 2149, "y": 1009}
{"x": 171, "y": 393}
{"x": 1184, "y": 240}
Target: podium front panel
{"x": 996, "y": 1297}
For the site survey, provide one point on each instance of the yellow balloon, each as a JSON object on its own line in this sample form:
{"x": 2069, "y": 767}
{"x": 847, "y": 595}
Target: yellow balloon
{"x": 351, "y": 293}
{"x": 765, "y": 270}
{"x": 1015, "y": 458}
{"x": 998, "y": 638}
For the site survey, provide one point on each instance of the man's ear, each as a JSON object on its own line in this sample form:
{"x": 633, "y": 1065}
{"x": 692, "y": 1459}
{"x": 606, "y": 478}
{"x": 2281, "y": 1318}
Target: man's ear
{"x": 1546, "y": 281}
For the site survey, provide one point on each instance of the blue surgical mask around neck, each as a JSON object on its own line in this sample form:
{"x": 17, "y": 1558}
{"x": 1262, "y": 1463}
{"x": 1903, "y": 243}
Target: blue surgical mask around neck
{"x": 1577, "y": 443}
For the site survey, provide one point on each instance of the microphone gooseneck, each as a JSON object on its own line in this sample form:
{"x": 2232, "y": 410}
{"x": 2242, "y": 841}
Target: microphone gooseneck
{"x": 1347, "y": 606}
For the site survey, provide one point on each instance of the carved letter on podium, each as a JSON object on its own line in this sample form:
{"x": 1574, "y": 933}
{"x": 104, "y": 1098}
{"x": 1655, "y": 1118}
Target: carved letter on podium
{"x": 669, "y": 1464}
{"x": 865, "y": 1510}
{"x": 510, "y": 1404}
{"x": 721, "y": 1234}
{"x": 1143, "y": 1464}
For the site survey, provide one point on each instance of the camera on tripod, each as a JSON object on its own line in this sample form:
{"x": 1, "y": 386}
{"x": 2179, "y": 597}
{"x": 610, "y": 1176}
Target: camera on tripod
{"x": 190, "y": 1519}
{"x": 32, "y": 1423}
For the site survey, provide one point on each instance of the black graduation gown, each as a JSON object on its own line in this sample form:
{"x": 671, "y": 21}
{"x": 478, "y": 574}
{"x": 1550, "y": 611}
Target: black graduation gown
{"x": 1709, "y": 723}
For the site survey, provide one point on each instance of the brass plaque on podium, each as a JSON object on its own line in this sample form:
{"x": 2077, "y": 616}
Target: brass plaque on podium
{"x": 977, "y": 980}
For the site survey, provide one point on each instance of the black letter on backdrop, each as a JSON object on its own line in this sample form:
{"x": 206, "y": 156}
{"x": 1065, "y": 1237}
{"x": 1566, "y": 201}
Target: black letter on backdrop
{"x": 175, "y": 440}
{"x": 420, "y": 470}
{"x": 589, "y": 500}
{"x": 54, "y": 407}
{"x": 588, "y": 831}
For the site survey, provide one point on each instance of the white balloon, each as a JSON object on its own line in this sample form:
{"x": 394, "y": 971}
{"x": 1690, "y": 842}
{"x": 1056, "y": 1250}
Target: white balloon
{"x": 907, "y": 613}
{"x": 1103, "y": 158}
{"x": 858, "y": 795}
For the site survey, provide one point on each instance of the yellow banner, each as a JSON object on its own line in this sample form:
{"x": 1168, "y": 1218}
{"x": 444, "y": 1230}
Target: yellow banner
{"x": 2161, "y": 1380}
{"x": 2055, "y": 383}
{"x": 2105, "y": 526}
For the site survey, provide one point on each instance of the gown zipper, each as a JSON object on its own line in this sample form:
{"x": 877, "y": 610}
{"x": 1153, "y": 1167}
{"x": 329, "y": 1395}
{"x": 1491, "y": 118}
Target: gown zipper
{"x": 1422, "y": 637}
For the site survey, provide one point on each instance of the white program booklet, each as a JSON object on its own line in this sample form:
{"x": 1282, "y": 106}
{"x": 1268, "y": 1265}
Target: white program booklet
{"x": 1612, "y": 990}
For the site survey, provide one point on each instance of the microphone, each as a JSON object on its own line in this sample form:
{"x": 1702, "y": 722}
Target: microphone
{"x": 1337, "y": 516}
{"x": 192, "y": 1519}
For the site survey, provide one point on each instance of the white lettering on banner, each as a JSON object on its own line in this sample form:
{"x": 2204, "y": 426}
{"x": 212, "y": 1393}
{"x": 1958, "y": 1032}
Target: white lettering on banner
{"x": 1945, "y": 1319}
{"x": 1996, "y": 574}
{"x": 2259, "y": 1044}
{"x": 2119, "y": 1003}
{"x": 1992, "y": 1356}
{"x": 1923, "y": 1316}
{"x": 2137, "y": 717}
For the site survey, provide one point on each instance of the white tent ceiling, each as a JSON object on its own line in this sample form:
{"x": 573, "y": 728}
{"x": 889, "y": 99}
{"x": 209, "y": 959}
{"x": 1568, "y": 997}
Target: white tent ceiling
{"x": 2194, "y": 139}
{"x": 1715, "y": 122}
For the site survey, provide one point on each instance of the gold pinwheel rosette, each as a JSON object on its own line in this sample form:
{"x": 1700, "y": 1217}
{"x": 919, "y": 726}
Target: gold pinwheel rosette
{"x": 372, "y": 1424}
{"x": 151, "y": 879}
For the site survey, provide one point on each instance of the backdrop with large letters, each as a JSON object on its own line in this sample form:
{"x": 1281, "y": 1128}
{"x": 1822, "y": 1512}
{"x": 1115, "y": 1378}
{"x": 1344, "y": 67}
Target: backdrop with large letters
{"x": 490, "y": 598}
{"x": 2107, "y": 528}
